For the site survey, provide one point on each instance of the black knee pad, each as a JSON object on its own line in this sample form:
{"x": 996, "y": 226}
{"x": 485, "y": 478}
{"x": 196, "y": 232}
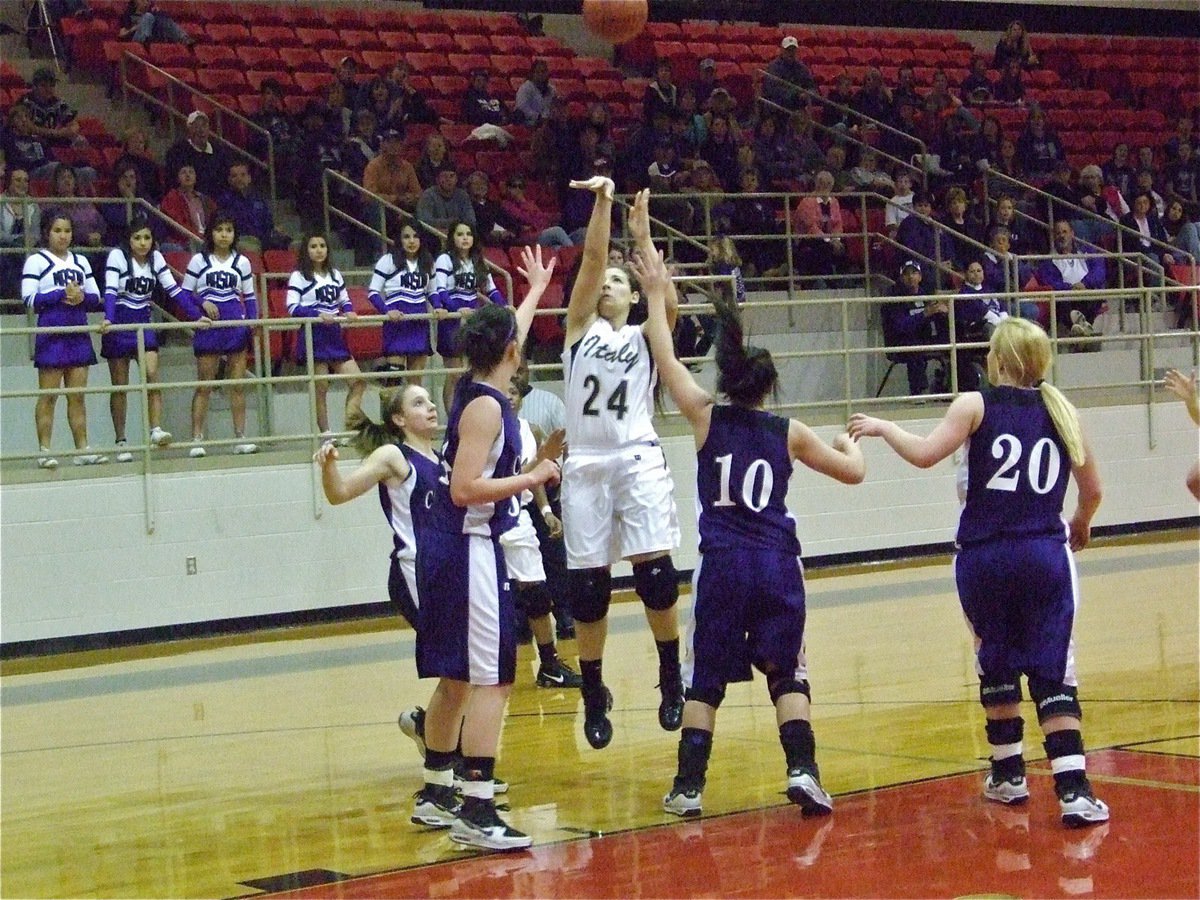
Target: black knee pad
{"x": 656, "y": 582}
{"x": 779, "y": 685}
{"x": 590, "y": 591}
{"x": 1053, "y": 698}
{"x": 998, "y": 690}
{"x": 713, "y": 698}
{"x": 535, "y": 599}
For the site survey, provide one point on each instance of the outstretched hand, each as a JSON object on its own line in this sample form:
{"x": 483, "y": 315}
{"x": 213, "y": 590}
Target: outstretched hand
{"x": 861, "y": 426}
{"x": 600, "y": 185}
{"x": 327, "y": 454}
{"x": 536, "y": 273}
{"x": 639, "y": 217}
{"x": 1181, "y": 386}
{"x": 651, "y": 271}
{"x": 552, "y": 446}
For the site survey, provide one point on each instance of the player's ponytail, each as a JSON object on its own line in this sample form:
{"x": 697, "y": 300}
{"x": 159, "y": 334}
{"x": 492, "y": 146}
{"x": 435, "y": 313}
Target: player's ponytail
{"x": 746, "y": 375}
{"x": 1022, "y": 349}
{"x": 371, "y": 435}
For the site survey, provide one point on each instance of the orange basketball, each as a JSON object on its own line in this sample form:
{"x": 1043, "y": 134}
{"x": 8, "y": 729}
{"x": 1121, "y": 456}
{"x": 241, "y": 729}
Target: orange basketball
{"x": 617, "y": 21}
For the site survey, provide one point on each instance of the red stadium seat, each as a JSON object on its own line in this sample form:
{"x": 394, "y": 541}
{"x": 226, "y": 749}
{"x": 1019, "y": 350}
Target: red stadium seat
{"x": 473, "y": 43}
{"x": 318, "y": 37}
{"x": 274, "y": 36}
{"x": 312, "y": 82}
{"x": 215, "y": 56}
{"x": 503, "y": 24}
{"x": 260, "y": 58}
{"x": 510, "y": 66}
{"x": 214, "y": 80}
{"x": 279, "y": 260}
{"x": 511, "y": 44}
{"x": 465, "y": 63}
{"x": 429, "y": 63}
{"x": 358, "y": 39}
{"x": 302, "y": 59}
{"x": 255, "y": 78}
{"x": 228, "y": 33}
{"x": 546, "y": 46}
{"x": 448, "y": 87}
{"x": 364, "y": 342}
{"x": 435, "y": 42}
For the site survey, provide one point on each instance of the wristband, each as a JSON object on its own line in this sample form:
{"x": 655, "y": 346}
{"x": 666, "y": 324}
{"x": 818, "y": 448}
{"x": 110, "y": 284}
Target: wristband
{"x": 546, "y": 510}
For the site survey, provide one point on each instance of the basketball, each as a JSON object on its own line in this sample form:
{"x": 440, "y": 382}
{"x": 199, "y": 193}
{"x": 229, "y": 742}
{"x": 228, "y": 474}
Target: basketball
{"x": 616, "y": 21}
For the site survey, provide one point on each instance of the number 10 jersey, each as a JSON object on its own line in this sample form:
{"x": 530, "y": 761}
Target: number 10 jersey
{"x": 609, "y": 389}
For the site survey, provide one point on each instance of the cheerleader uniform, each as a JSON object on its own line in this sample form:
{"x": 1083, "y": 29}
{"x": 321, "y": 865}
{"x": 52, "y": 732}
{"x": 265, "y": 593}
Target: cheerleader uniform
{"x": 44, "y": 289}
{"x": 404, "y": 287}
{"x": 309, "y": 297}
{"x": 229, "y": 284}
{"x": 128, "y": 286}
{"x": 454, "y": 290}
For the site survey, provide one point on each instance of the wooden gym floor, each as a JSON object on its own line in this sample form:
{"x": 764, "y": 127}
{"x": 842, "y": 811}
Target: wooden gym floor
{"x": 274, "y": 765}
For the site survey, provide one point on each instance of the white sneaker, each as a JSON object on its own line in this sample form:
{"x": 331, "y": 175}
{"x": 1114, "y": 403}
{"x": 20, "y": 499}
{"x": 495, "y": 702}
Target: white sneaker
{"x": 47, "y": 462}
{"x": 90, "y": 459}
{"x": 197, "y": 453}
{"x": 436, "y": 807}
{"x": 1007, "y": 790}
{"x": 1081, "y": 808}
{"x": 160, "y": 438}
{"x": 123, "y": 455}
{"x": 412, "y": 725}
{"x": 244, "y": 449}
{"x": 805, "y": 791}
{"x": 478, "y": 825}
{"x": 682, "y": 803}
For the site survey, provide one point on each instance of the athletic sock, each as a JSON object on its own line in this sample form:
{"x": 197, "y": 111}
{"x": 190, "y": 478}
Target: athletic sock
{"x": 799, "y": 745}
{"x": 1065, "y": 751}
{"x": 695, "y": 747}
{"x": 548, "y": 655}
{"x": 1005, "y": 738}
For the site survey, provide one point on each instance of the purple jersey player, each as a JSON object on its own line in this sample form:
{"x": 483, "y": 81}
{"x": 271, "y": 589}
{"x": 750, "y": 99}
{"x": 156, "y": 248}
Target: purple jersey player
{"x": 749, "y": 607}
{"x": 1015, "y": 573}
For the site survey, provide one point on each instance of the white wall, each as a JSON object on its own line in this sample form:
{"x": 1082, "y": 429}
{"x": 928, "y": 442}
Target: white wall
{"x": 77, "y": 558}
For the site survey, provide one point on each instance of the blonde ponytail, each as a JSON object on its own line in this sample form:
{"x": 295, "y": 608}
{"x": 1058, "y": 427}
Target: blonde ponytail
{"x": 372, "y": 435}
{"x": 1066, "y": 421}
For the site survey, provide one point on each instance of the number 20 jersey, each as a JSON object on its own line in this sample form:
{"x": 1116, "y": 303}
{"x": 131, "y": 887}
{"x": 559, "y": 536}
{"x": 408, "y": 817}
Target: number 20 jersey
{"x": 1016, "y": 470}
{"x": 609, "y": 390}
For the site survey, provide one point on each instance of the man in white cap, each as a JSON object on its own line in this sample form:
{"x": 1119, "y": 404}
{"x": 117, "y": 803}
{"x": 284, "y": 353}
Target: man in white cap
{"x": 788, "y": 70}
{"x": 196, "y": 149}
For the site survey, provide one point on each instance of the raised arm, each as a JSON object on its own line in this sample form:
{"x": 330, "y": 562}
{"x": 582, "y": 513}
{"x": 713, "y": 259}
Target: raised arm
{"x": 1185, "y": 389}
{"x": 538, "y": 276}
{"x": 639, "y": 230}
{"x": 384, "y": 462}
{"x": 585, "y": 296}
{"x": 693, "y": 401}
{"x": 959, "y": 423}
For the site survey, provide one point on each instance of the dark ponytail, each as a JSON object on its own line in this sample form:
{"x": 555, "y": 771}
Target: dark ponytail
{"x": 746, "y": 375}
{"x": 372, "y": 435}
{"x": 484, "y": 337}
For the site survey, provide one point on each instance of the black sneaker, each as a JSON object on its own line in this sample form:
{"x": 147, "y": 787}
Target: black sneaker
{"x": 479, "y": 825}
{"x": 596, "y": 726}
{"x": 670, "y": 709}
{"x": 437, "y": 806}
{"x": 559, "y": 676}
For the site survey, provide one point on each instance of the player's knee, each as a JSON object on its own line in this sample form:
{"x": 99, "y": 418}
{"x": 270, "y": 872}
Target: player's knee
{"x": 535, "y": 600}
{"x": 590, "y": 591}
{"x": 656, "y": 583}
{"x": 779, "y": 685}
{"x": 1000, "y": 690}
{"x": 1053, "y": 698}
{"x": 710, "y": 696}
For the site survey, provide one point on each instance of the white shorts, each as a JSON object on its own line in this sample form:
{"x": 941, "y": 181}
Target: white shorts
{"x": 522, "y": 552}
{"x": 616, "y": 505}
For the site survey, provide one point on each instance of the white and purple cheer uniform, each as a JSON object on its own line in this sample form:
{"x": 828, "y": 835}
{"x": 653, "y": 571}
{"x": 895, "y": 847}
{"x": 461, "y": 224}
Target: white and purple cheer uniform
{"x": 44, "y": 290}
{"x": 455, "y": 288}
{"x": 229, "y": 283}
{"x": 324, "y": 292}
{"x": 128, "y": 287}
{"x": 403, "y": 286}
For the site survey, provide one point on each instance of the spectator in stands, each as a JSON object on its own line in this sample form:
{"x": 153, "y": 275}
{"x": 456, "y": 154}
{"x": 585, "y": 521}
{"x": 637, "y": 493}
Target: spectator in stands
{"x": 1014, "y": 45}
{"x": 1144, "y": 183}
{"x": 187, "y": 206}
{"x": 688, "y": 126}
{"x": 576, "y": 154}
{"x": 251, "y": 213}
{"x": 720, "y": 151}
{"x": 911, "y": 324}
{"x": 1144, "y": 219}
{"x": 1118, "y": 171}
{"x": 1063, "y": 195}
{"x": 749, "y": 215}
{"x": 977, "y": 86}
{"x": 52, "y": 120}
{"x": 705, "y": 83}
{"x": 975, "y": 315}
{"x": 1008, "y": 165}
{"x": 136, "y": 153}
{"x": 86, "y": 221}
{"x": 769, "y": 143}
{"x": 873, "y": 99}
{"x": 363, "y": 144}
{"x": 599, "y": 117}
{"x": 492, "y": 223}
{"x": 577, "y": 205}
{"x": 835, "y": 164}
{"x": 1020, "y": 231}
{"x": 1179, "y": 224}
{"x": 435, "y": 156}
{"x": 1181, "y": 176}
{"x": 901, "y": 204}
{"x": 273, "y": 118}
{"x": 786, "y": 73}
{"x": 1146, "y": 160}
{"x": 553, "y": 143}
{"x": 840, "y": 117}
{"x": 534, "y": 222}
{"x": 1011, "y": 86}
{"x": 118, "y": 215}
{"x": 1002, "y": 272}
{"x": 479, "y": 106}
{"x": 445, "y": 203}
{"x": 942, "y": 104}
{"x": 661, "y": 94}
{"x": 377, "y": 97}
{"x": 985, "y": 146}
{"x": 818, "y": 220}
{"x": 907, "y": 122}
{"x": 905, "y": 90}
{"x": 800, "y": 155}
{"x": 867, "y": 176}
{"x": 1069, "y": 271}
{"x": 1102, "y": 199}
{"x": 22, "y": 148}
{"x": 535, "y": 95}
{"x": 1183, "y": 135}
{"x": 958, "y": 249}
{"x": 144, "y": 22}
{"x": 721, "y": 105}
{"x": 1039, "y": 148}
{"x": 390, "y": 175}
{"x": 408, "y": 104}
{"x": 316, "y": 151}
{"x": 195, "y": 148}
{"x": 346, "y": 74}
{"x": 20, "y": 226}
{"x": 921, "y": 237}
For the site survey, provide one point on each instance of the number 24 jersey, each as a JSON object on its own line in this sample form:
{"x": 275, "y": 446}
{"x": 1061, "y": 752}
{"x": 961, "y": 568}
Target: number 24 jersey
{"x": 610, "y": 389}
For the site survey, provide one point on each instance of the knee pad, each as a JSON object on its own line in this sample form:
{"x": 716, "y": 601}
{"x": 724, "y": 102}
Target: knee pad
{"x": 712, "y": 697}
{"x": 998, "y": 690}
{"x": 1053, "y": 698}
{"x": 590, "y": 591}
{"x": 780, "y": 685}
{"x": 656, "y": 583}
{"x": 535, "y": 600}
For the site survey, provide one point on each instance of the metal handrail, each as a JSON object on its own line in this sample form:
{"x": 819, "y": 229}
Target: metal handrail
{"x": 221, "y": 110}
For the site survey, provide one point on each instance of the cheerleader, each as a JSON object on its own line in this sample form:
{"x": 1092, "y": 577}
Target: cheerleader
{"x": 461, "y": 279}
{"x": 130, "y": 275}
{"x": 400, "y": 289}
{"x": 317, "y": 290}
{"x": 221, "y": 287}
{"x": 58, "y": 286}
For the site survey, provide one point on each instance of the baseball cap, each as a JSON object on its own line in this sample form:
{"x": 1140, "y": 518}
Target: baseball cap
{"x": 708, "y": 63}
{"x": 790, "y": 41}
{"x": 196, "y": 114}
{"x": 390, "y": 134}
{"x": 601, "y": 162}
{"x": 44, "y": 75}
{"x": 348, "y": 59}
{"x": 911, "y": 264}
